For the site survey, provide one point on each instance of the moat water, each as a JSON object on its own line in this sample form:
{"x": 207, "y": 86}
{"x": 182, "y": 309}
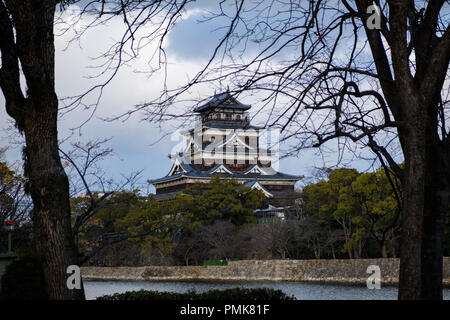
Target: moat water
{"x": 301, "y": 291}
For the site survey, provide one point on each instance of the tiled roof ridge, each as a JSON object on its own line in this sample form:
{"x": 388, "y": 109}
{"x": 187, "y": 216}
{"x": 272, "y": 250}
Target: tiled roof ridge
{"x": 222, "y": 100}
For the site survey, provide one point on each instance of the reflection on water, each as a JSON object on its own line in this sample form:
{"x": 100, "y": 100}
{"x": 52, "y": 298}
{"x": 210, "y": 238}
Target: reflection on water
{"x": 302, "y": 291}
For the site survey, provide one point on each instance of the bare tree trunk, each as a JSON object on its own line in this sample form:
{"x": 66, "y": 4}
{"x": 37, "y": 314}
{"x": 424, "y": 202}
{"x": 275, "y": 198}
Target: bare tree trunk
{"x": 27, "y": 36}
{"x": 432, "y": 245}
{"x": 436, "y": 206}
{"x": 384, "y": 251}
{"x": 393, "y": 252}
{"x": 347, "y": 235}
{"x": 414, "y": 191}
{"x": 49, "y": 189}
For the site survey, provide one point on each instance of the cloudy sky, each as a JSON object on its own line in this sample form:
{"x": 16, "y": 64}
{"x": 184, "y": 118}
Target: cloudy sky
{"x": 141, "y": 145}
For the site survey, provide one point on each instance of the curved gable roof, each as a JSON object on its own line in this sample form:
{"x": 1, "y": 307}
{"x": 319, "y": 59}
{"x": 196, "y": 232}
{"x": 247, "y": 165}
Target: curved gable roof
{"x": 222, "y": 100}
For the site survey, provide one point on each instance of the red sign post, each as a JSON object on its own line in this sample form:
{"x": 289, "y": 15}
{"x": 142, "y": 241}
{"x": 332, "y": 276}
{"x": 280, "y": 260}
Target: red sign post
{"x": 9, "y": 225}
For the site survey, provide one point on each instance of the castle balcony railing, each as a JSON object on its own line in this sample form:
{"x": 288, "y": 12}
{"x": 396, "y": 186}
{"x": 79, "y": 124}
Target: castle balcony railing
{"x": 227, "y": 118}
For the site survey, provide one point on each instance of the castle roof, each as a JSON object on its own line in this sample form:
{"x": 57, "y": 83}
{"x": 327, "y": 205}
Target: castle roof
{"x": 190, "y": 171}
{"x": 222, "y": 100}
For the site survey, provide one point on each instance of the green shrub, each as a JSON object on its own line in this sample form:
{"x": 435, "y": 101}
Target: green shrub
{"x": 24, "y": 280}
{"x": 227, "y": 294}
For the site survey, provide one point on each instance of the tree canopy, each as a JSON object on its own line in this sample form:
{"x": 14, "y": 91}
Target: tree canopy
{"x": 159, "y": 222}
{"x": 361, "y": 205}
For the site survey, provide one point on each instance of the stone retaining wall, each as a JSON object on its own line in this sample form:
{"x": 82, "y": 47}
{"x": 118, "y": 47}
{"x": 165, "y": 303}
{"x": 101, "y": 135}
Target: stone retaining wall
{"x": 339, "y": 271}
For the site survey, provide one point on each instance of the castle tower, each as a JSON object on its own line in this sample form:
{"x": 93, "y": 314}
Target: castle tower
{"x": 224, "y": 142}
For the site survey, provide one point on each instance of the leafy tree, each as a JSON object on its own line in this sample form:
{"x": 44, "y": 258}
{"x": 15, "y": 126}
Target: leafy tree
{"x": 380, "y": 213}
{"x": 362, "y": 206}
{"x": 155, "y": 223}
{"x": 117, "y": 206}
{"x": 163, "y": 224}
{"x": 225, "y": 199}
{"x": 99, "y": 230}
{"x": 331, "y": 202}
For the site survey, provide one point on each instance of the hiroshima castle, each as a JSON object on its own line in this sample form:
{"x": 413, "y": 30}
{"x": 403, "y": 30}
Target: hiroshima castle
{"x": 224, "y": 143}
